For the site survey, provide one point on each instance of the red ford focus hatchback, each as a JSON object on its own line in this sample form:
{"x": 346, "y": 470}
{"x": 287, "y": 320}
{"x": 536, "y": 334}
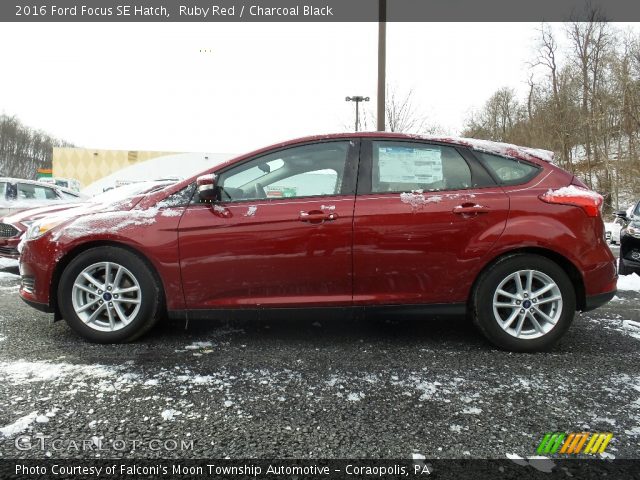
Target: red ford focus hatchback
{"x": 386, "y": 223}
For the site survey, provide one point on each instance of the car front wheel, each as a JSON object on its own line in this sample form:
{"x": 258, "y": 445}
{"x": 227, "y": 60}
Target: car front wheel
{"x": 524, "y": 303}
{"x": 109, "y": 295}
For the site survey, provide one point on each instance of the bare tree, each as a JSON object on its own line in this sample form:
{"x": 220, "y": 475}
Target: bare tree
{"x": 401, "y": 113}
{"x": 24, "y": 150}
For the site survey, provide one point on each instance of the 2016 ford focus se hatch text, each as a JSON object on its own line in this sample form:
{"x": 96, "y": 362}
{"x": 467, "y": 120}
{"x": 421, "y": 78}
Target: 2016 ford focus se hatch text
{"x": 385, "y": 223}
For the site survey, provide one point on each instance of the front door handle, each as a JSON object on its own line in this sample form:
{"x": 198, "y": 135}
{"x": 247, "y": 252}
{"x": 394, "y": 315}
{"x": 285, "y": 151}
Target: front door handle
{"x": 317, "y": 216}
{"x": 470, "y": 209}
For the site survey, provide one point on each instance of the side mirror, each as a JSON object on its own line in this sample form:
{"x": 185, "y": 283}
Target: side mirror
{"x": 622, "y": 214}
{"x": 207, "y": 187}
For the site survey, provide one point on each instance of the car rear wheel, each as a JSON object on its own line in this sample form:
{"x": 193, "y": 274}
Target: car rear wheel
{"x": 524, "y": 303}
{"x": 109, "y": 295}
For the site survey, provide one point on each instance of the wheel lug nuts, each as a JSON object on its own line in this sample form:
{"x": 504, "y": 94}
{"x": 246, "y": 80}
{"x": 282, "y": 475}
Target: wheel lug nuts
{"x": 522, "y": 310}
{"x": 101, "y": 302}
{"x": 111, "y": 305}
{"x": 526, "y": 295}
{"x": 115, "y": 296}
{"x": 535, "y": 300}
{"x": 109, "y": 288}
{"x": 531, "y": 310}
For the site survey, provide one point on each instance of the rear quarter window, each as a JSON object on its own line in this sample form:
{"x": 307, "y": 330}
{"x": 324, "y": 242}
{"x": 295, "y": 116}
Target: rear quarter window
{"x": 508, "y": 171}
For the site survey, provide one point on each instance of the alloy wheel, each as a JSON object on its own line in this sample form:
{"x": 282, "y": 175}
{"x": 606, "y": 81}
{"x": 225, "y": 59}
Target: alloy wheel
{"x": 106, "y": 296}
{"x": 527, "y": 304}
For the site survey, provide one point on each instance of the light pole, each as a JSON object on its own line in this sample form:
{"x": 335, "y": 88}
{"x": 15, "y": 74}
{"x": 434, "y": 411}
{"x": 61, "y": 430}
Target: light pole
{"x": 357, "y": 99}
{"x": 382, "y": 60}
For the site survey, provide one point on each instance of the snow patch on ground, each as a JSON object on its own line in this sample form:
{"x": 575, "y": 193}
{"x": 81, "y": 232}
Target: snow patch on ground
{"x": 472, "y": 411}
{"x": 19, "y": 426}
{"x": 355, "y": 397}
{"x": 8, "y": 277}
{"x": 169, "y": 414}
{"x": 198, "y": 345}
{"x": 629, "y": 282}
{"x": 626, "y": 327}
{"x": 8, "y": 263}
{"x": 23, "y": 372}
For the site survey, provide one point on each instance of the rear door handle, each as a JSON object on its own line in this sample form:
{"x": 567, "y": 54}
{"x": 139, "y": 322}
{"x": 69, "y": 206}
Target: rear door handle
{"x": 317, "y": 216}
{"x": 470, "y": 209}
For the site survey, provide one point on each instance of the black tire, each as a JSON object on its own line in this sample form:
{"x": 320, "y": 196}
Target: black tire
{"x": 622, "y": 268}
{"x": 150, "y": 295}
{"x": 488, "y": 283}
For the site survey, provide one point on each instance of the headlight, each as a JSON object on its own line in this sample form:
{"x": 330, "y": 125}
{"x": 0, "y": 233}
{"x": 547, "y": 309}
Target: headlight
{"x": 38, "y": 229}
{"x": 633, "y": 231}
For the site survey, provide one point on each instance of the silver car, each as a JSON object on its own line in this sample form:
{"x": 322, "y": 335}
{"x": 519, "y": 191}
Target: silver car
{"x": 17, "y": 194}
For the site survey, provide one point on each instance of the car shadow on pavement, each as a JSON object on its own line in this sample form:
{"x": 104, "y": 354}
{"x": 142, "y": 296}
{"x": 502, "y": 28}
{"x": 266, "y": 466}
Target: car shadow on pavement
{"x": 451, "y": 332}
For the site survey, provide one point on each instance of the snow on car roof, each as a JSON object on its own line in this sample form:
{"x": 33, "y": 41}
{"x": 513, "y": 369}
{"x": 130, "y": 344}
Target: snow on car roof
{"x": 498, "y": 148}
{"x": 487, "y": 146}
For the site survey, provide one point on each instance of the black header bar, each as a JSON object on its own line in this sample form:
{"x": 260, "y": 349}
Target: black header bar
{"x": 315, "y": 10}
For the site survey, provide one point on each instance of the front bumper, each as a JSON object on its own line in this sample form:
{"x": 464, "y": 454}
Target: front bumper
{"x": 37, "y": 264}
{"x": 43, "y": 307}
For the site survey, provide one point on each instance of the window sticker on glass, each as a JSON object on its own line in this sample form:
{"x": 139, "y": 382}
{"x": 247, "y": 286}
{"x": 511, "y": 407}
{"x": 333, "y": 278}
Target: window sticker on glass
{"x": 410, "y": 165}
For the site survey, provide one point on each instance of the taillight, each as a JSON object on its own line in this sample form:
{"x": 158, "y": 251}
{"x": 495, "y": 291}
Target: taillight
{"x": 588, "y": 200}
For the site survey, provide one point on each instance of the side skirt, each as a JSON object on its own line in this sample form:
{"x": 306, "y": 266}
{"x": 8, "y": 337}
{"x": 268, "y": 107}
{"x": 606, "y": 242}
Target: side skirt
{"x": 379, "y": 311}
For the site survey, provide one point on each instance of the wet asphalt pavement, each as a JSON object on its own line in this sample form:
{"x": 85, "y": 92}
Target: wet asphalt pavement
{"x": 303, "y": 388}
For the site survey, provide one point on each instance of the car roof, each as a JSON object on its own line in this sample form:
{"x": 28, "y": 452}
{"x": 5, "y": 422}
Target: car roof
{"x": 487, "y": 146}
{"x": 33, "y": 182}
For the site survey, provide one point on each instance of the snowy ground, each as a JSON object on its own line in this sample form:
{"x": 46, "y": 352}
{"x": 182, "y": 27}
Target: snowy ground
{"x": 302, "y": 387}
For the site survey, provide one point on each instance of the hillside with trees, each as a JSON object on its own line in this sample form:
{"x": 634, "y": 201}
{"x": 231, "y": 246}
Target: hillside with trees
{"x": 583, "y": 103}
{"x": 23, "y": 150}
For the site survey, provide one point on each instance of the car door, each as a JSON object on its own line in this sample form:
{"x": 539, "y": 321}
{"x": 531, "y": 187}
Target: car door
{"x": 425, "y": 216}
{"x": 281, "y": 234}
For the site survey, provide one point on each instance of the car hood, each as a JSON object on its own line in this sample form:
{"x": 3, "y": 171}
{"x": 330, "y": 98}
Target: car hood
{"x": 32, "y": 214}
{"x": 87, "y": 209}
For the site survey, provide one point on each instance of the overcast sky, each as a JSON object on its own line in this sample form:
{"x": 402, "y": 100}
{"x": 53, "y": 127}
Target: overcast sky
{"x": 237, "y": 86}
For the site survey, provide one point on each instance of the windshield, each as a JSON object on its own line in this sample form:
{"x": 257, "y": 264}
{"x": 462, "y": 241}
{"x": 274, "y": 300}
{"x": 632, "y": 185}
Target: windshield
{"x": 127, "y": 191}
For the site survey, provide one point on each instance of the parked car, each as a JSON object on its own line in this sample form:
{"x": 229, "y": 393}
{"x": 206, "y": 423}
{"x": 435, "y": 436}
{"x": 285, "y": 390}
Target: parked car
{"x": 17, "y": 194}
{"x": 68, "y": 183}
{"x": 612, "y": 230}
{"x": 401, "y": 225}
{"x": 629, "y": 261}
{"x": 13, "y": 227}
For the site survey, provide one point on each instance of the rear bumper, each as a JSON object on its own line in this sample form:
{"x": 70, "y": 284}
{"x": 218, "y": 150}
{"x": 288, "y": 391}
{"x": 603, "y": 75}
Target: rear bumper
{"x": 594, "y": 301}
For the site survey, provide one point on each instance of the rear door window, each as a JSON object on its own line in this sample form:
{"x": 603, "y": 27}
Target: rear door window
{"x": 406, "y": 166}
{"x": 3, "y": 190}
